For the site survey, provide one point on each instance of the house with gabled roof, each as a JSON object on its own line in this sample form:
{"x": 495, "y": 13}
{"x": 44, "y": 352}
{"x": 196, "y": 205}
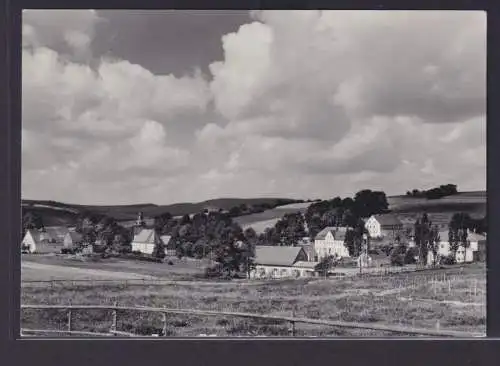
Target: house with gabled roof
{"x": 281, "y": 262}
{"x": 471, "y": 252}
{"x": 382, "y": 225}
{"x": 33, "y": 243}
{"x": 331, "y": 242}
{"x": 144, "y": 241}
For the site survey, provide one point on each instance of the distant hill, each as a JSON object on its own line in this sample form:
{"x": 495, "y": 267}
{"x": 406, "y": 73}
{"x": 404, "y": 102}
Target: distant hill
{"x": 58, "y": 213}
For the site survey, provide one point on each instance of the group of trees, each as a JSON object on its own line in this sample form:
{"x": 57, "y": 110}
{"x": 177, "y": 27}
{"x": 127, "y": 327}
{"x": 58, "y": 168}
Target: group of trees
{"x": 210, "y": 235}
{"x": 289, "y": 230}
{"x": 104, "y": 230}
{"x": 345, "y": 212}
{"x": 434, "y": 193}
{"x": 428, "y": 238}
{"x": 30, "y": 221}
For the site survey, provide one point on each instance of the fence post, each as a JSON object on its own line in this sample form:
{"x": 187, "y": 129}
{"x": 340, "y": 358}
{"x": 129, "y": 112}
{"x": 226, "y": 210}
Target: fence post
{"x": 69, "y": 319}
{"x": 292, "y": 324}
{"x": 115, "y": 318}
{"x": 164, "y": 318}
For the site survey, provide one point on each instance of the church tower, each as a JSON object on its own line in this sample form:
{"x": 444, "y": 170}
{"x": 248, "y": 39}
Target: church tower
{"x": 139, "y": 223}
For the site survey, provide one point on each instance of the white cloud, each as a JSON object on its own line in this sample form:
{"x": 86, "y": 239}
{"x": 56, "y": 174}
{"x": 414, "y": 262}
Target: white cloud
{"x": 304, "y": 103}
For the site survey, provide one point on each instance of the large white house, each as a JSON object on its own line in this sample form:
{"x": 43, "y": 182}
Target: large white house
{"x": 463, "y": 254}
{"x": 281, "y": 262}
{"x": 379, "y": 226}
{"x": 145, "y": 241}
{"x": 330, "y": 241}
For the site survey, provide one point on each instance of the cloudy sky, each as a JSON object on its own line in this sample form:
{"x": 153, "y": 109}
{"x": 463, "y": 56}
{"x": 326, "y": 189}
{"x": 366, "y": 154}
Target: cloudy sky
{"x": 170, "y": 106}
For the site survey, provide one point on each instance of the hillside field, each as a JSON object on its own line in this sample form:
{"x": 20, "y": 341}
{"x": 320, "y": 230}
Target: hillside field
{"x": 440, "y": 210}
{"x": 452, "y": 299}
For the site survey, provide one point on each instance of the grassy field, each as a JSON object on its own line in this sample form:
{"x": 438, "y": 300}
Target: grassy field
{"x": 262, "y": 220}
{"x": 454, "y": 297}
{"x": 62, "y": 267}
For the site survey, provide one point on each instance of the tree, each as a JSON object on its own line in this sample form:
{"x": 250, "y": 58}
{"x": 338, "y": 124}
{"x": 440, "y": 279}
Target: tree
{"x": 31, "y": 221}
{"x": 422, "y": 237}
{"x": 325, "y": 265}
{"x": 458, "y": 231}
{"x": 433, "y": 244}
{"x": 368, "y": 202}
{"x": 398, "y": 256}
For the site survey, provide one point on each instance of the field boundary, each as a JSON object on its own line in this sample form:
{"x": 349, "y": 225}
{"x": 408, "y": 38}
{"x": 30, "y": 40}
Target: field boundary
{"x": 292, "y": 320}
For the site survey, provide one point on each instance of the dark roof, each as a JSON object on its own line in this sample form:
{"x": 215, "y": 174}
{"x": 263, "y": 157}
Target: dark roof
{"x": 276, "y": 255}
{"x": 337, "y": 232}
{"x": 388, "y": 220}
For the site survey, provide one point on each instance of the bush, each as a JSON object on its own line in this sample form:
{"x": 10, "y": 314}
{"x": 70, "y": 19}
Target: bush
{"x": 398, "y": 256}
{"x": 410, "y": 255}
{"x": 448, "y": 260}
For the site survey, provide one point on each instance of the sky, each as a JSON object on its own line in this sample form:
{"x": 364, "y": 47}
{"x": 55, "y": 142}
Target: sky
{"x": 123, "y": 107}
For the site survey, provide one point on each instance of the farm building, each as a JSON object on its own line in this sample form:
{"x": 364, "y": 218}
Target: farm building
{"x": 309, "y": 249}
{"x": 473, "y": 251}
{"x": 383, "y": 225}
{"x": 56, "y": 233}
{"x": 330, "y": 241}
{"x": 32, "y": 243}
{"x": 169, "y": 245}
{"x": 281, "y": 262}
{"x": 72, "y": 240}
{"x": 145, "y": 241}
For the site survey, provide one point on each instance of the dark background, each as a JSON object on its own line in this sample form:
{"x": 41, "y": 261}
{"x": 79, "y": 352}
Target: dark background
{"x": 234, "y": 352}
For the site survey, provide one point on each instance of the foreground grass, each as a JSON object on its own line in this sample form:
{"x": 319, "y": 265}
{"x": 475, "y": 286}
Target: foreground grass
{"x": 391, "y": 300}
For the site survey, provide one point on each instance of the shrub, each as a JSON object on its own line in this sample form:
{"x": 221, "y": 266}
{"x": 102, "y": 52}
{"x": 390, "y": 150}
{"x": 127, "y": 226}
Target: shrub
{"x": 410, "y": 255}
{"x": 447, "y": 260}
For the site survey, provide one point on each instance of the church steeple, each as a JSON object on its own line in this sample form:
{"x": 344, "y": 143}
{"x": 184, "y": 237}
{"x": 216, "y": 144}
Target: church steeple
{"x": 140, "y": 219}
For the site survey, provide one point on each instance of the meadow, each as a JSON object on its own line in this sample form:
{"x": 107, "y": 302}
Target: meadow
{"x": 452, "y": 299}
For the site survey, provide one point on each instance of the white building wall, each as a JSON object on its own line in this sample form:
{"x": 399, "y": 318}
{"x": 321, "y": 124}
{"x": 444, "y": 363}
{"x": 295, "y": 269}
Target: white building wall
{"x": 330, "y": 246}
{"x": 264, "y": 271}
{"x": 373, "y": 227}
{"x": 145, "y": 248}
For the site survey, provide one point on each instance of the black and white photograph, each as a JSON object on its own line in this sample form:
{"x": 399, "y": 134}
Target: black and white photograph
{"x": 253, "y": 173}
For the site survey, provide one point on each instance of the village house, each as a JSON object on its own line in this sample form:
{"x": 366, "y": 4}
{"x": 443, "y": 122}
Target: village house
{"x": 386, "y": 225}
{"x": 470, "y": 253}
{"x": 54, "y": 234}
{"x": 72, "y": 240}
{"x": 32, "y": 243}
{"x": 170, "y": 249}
{"x": 330, "y": 241}
{"x": 144, "y": 241}
{"x": 281, "y": 262}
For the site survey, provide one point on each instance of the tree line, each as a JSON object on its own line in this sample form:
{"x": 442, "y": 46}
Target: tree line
{"x": 434, "y": 193}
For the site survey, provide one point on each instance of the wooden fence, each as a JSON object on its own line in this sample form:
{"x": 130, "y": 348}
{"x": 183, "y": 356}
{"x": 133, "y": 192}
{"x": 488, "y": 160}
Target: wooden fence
{"x": 164, "y": 311}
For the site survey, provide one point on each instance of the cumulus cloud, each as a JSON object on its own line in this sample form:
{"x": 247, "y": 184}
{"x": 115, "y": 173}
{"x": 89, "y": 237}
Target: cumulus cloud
{"x": 302, "y": 103}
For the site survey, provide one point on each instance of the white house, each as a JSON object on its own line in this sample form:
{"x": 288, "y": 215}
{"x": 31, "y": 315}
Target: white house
{"x": 281, "y": 262}
{"x": 169, "y": 245}
{"x": 32, "y": 243}
{"x": 330, "y": 241}
{"x": 379, "y": 226}
{"x": 144, "y": 241}
{"x": 463, "y": 254}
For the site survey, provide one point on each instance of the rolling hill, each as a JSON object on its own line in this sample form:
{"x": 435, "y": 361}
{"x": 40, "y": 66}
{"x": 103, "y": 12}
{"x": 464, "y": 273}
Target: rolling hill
{"x": 57, "y": 213}
{"x": 440, "y": 210}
